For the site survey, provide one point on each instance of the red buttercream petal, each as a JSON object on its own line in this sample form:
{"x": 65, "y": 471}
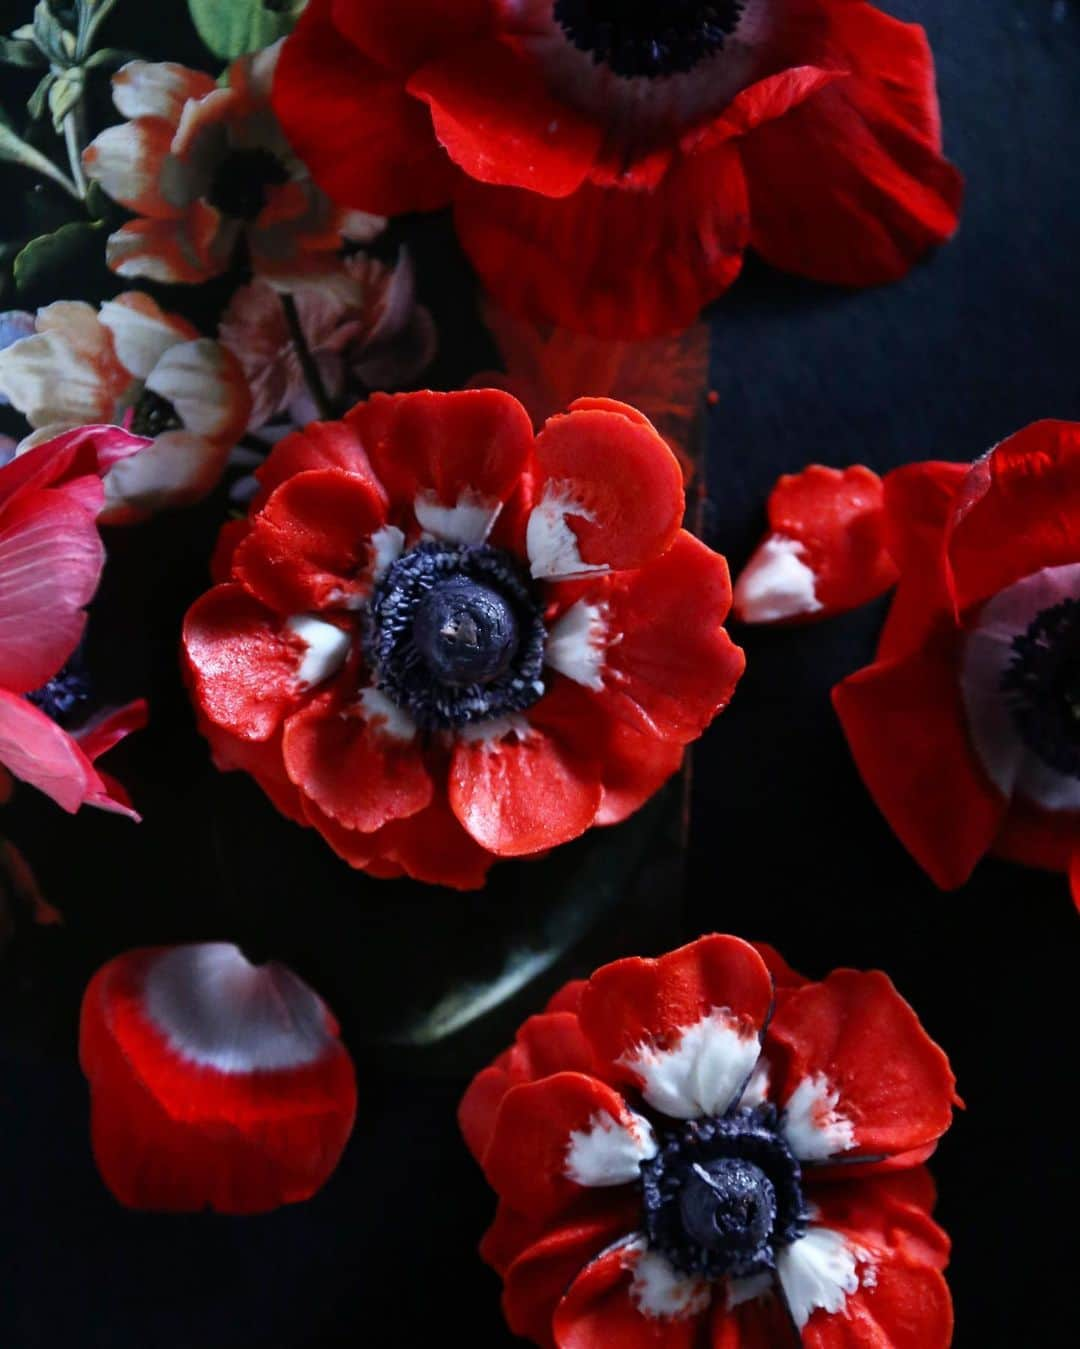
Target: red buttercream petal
{"x": 827, "y": 526}
{"x": 213, "y": 1083}
{"x": 620, "y": 264}
{"x": 1014, "y": 513}
{"x": 51, "y": 558}
{"x": 468, "y": 448}
{"x": 905, "y": 726}
{"x": 263, "y": 760}
{"x": 670, "y": 666}
{"x": 635, "y": 1002}
{"x": 318, "y": 445}
{"x": 894, "y": 1084}
{"x": 783, "y": 976}
{"x": 310, "y": 545}
{"x": 850, "y": 187}
{"x": 403, "y": 35}
{"x": 243, "y": 666}
{"x": 906, "y": 1305}
{"x": 345, "y": 760}
{"x": 635, "y": 767}
{"x": 887, "y": 1211}
{"x": 599, "y": 1311}
{"x": 229, "y": 537}
{"x": 609, "y": 494}
{"x": 367, "y": 143}
{"x": 496, "y": 120}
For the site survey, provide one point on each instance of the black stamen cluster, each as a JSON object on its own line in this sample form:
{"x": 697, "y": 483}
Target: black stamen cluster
{"x": 1041, "y": 685}
{"x": 652, "y": 38}
{"x": 240, "y": 182}
{"x": 153, "y": 415}
{"x": 66, "y": 698}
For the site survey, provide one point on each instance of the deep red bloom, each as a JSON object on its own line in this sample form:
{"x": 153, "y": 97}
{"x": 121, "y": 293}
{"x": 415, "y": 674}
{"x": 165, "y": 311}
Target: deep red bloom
{"x": 708, "y": 1148}
{"x": 965, "y": 727}
{"x": 51, "y": 557}
{"x": 214, "y": 1083}
{"x": 441, "y": 639}
{"x": 608, "y": 165}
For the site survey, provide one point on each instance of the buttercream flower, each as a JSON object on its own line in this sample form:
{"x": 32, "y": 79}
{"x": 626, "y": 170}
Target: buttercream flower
{"x": 710, "y": 1149}
{"x": 608, "y": 163}
{"x": 133, "y": 364}
{"x": 440, "y": 639}
{"x": 51, "y": 558}
{"x": 214, "y": 1083}
{"x": 205, "y": 166}
{"x": 372, "y": 335}
{"x": 966, "y": 727}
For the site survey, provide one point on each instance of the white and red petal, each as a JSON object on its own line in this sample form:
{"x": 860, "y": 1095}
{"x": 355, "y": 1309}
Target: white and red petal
{"x": 825, "y": 552}
{"x": 68, "y": 371}
{"x": 684, "y": 1029}
{"x": 819, "y": 1271}
{"x": 898, "y": 1303}
{"x": 157, "y": 89}
{"x": 176, "y": 468}
{"x": 187, "y": 250}
{"x": 453, "y": 459}
{"x": 130, "y": 161}
{"x": 589, "y": 517}
{"x": 556, "y": 1137}
{"x": 214, "y": 1083}
{"x": 142, "y": 332}
{"x": 205, "y": 383}
{"x": 878, "y": 1085}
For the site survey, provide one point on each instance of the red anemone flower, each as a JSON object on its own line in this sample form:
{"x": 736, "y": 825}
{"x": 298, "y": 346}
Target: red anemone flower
{"x": 214, "y": 1083}
{"x": 51, "y": 557}
{"x": 441, "y": 639}
{"x": 708, "y": 1148}
{"x": 608, "y": 163}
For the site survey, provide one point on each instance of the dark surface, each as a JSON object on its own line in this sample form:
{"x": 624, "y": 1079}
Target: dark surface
{"x": 786, "y": 845}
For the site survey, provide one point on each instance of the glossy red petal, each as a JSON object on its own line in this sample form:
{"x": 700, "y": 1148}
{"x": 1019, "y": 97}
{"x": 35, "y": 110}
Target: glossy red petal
{"x": 242, "y": 663}
{"x": 609, "y": 494}
{"x": 718, "y": 988}
{"x": 619, "y": 264}
{"x": 783, "y": 976}
{"x": 213, "y": 1083}
{"x": 906, "y": 1305}
{"x": 854, "y": 1036}
{"x": 310, "y": 545}
{"x": 905, "y": 726}
{"x": 36, "y": 750}
{"x": 527, "y": 785}
{"x": 99, "y": 736}
{"x": 495, "y": 118}
{"x": 669, "y": 665}
{"x": 402, "y": 35}
{"x": 345, "y": 760}
{"x": 1015, "y": 512}
{"x": 825, "y": 551}
{"x": 51, "y": 558}
{"x": 318, "y": 445}
{"x": 763, "y": 101}
{"x": 850, "y": 187}
{"x": 72, "y": 460}
{"x": 599, "y": 1311}
{"x": 635, "y": 766}
{"x": 367, "y": 143}
{"x": 527, "y": 1158}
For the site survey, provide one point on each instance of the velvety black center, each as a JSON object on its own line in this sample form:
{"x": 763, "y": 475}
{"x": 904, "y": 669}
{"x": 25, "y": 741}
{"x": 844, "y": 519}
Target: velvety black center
{"x": 648, "y": 37}
{"x": 241, "y": 181}
{"x": 455, "y": 635}
{"x": 1042, "y": 686}
{"x": 721, "y": 1196}
{"x": 65, "y": 699}
{"x": 153, "y": 415}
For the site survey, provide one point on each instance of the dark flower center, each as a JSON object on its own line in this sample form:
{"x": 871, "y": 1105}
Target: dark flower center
{"x": 648, "y": 37}
{"x": 153, "y": 415}
{"x": 455, "y": 635}
{"x": 65, "y": 699}
{"x": 240, "y": 182}
{"x": 722, "y": 1195}
{"x": 1041, "y": 685}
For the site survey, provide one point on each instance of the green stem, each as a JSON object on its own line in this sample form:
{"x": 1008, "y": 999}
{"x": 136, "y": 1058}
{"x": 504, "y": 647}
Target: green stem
{"x": 73, "y": 137}
{"x": 307, "y": 361}
{"x": 94, "y": 19}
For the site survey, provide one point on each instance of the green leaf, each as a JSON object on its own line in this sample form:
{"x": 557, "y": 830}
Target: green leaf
{"x": 66, "y": 91}
{"x": 58, "y": 45}
{"x": 232, "y": 27}
{"x": 35, "y": 104}
{"x": 14, "y": 52}
{"x": 42, "y": 258}
{"x": 109, "y": 58}
{"x": 17, "y": 151}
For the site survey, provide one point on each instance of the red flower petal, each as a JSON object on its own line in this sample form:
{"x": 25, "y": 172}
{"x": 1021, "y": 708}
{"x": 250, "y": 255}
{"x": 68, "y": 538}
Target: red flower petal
{"x": 404, "y": 34}
{"x": 73, "y": 460}
{"x": 522, "y": 786}
{"x": 850, "y": 186}
{"x": 763, "y": 101}
{"x": 367, "y": 143}
{"x": 888, "y": 1211}
{"x": 101, "y": 735}
{"x": 263, "y": 760}
{"x": 213, "y": 1083}
{"x": 760, "y": 1324}
{"x": 310, "y": 545}
{"x": 318, "y": 445}
{"x": 620, "y": 264}
{"x": 551, "y": 1042}
{"x": 51, "y": 558}
{"x": 495, "y": 118}
{"x": 355, "y": 770}
{"x": 825, "y": 551}
{"x": 1014, "y": 513}
{"x": 637, "y": 1014}
{"x": 609, "y": 494}
{"x": 229, "y": 537}
{"x": 905, "y": 727}
{"x": 1038, "y": 838}
{"x": 461, "y": 451}
{"x": 527, "y": 1159}
{"x": 670, "y": 667}
{"x": 894, "y": 1084}
{"x": 635, "y": 767}
{"x": 242, "y": 665}
{"x": 905, "y": 1306}
{"x": 599, "y": 1312}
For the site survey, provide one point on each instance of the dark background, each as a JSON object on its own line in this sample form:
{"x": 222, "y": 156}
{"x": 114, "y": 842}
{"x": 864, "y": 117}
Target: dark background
{"x": 785, "y": 845}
